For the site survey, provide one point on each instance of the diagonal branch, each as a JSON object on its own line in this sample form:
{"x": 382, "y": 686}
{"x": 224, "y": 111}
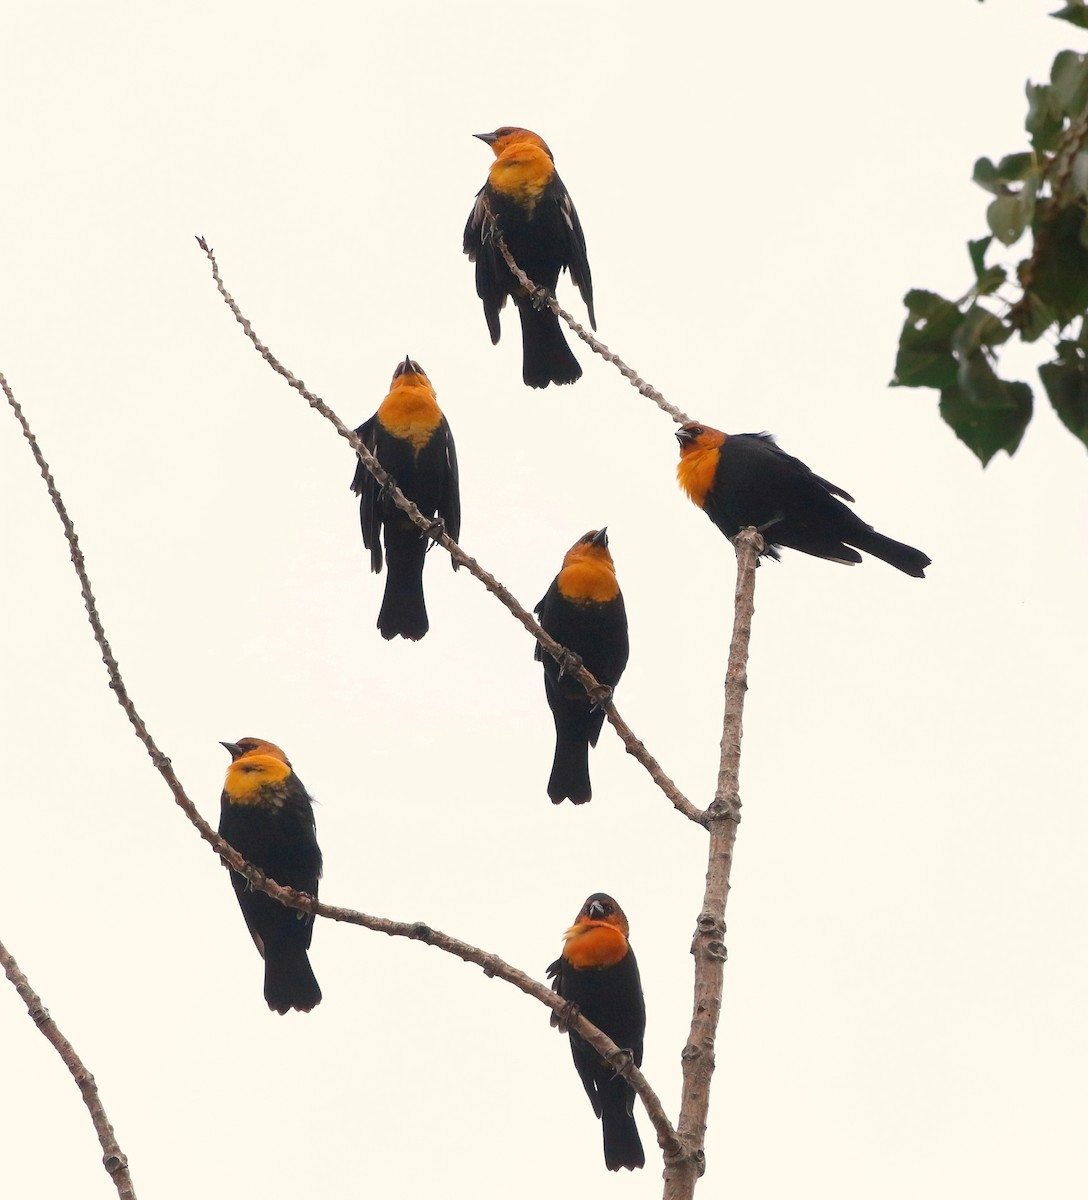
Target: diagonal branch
{"x": 708, "y": 946}
{"x": 113, "y": 1157}
{"x": 493, "y": 967}
{"x": 571, "y": 663}
{"x": 416, "y": 931}
{"x": 597, "y": 346}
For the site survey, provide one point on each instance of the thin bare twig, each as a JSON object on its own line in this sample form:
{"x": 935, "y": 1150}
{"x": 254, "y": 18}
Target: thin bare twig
{"x": 597, "y": 346}
{"x": 493, "y": 967}
{"x": 571, "y": 663}
{"x": 708, "y": 945}
{"x": 416, "y": 931}
{"x": 113, "y": 1157}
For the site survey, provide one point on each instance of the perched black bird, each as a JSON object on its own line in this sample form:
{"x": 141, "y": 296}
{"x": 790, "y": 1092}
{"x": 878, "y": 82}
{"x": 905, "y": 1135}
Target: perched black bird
{"x": 598, "y": 972}
{"x": 411, "y": 439}
{"x": 583, "y": 610}
{"x": 267, "y": 816}
{"x": 542, "y": 231}
{"x": 743, "y": 479}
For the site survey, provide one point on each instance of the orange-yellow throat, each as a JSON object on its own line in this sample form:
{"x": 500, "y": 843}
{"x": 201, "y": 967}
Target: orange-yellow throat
{"x": 696, "y": 470}
{"x": 588, "y": 574}
{"x": 593, "y": 945}
{"x": 522, "y": 171}
{"x": 410, "y": 412}
{"x": 254, "y": 779}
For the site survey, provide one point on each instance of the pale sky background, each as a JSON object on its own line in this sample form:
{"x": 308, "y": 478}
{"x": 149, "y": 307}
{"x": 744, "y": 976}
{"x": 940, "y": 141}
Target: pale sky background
{"x": 905, "y": 997}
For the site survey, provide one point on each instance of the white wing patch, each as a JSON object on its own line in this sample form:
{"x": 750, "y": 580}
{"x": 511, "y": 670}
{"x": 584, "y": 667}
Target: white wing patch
{"x": 567, "y": 209}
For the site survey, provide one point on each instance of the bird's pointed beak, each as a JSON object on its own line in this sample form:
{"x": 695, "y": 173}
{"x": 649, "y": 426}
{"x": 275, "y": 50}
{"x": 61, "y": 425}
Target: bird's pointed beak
{"x": 490, "y": 138}
{"x": 601, "y": 539}
{"x": 596, "y": 910}
{"x": 408, "y": 367}
{"x": 233, "y": 749}
{"x": 684, "y": 435}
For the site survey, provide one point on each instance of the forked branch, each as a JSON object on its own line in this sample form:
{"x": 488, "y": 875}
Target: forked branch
{"x": 415, "y": 931}
{"x": 601, "y": 694}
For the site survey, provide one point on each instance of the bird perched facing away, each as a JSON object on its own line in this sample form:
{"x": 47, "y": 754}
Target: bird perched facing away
{"x": 541, "y": 229}
{"x": 411, "y": 438}
{"x": 583, "y": 610}
{"x": 744, "y": 479}
{"x": 267, "y": 817}
{"x": 598, "y": 972}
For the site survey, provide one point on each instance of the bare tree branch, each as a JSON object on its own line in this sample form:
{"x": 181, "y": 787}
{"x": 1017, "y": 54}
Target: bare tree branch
{"x": 493, "y": 967}
{"x": 113, "y": 1157}
{"x": 416, "y": 931}
{"x": 708, "y": 946}
{"x": 598, "y": 347}
{"x": 570, "y": 662}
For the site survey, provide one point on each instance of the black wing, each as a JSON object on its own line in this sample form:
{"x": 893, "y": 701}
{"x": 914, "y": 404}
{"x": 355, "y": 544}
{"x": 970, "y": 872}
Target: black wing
{"x": 551, "y": 595}
{"x": 493, "y": 278}
{"x": 577, "y": 263}
{"x": 473, "y": 239}
{"x": 798, "y": 468}
{"x": 449, "y": 502}
{"x": 365, "y": 486}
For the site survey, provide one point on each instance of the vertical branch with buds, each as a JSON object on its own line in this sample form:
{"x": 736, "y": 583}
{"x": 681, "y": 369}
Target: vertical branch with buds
{"x": 682, "y": 1172}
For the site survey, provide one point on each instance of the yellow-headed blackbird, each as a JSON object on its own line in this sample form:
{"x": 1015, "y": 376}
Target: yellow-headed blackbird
{"x": 538, "y": 222}
{"x": 267, "y": 817}
{"x": 598, "y": 973}
{"x": 743, "y": 479}
{"x": 583, "y": 610}
{"x": 410, "y": 438}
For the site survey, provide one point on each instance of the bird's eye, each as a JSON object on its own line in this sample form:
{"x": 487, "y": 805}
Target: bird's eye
{"x": 696, "y": 431}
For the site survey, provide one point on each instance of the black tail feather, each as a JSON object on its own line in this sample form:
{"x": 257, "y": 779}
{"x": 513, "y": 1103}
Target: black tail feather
{"x": 622, "y": 1145}
{"x": 289, "y": 981}
{"x": 896, "y": 554}
{"x": 569, "y": 779}
{"x": 404, "y": 611}
{"x": 546, "y": 357}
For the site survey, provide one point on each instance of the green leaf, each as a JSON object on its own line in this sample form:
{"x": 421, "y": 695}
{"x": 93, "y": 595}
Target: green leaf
{"x": 986, "y": 413}
{"x": 1032, "y": 317}
{"x": 1069, "y": 84}
{"x": 1041, "y": 122}
{"x": 1075, "y": 13}
{"x": 977, "y": 250}
{"x": 925, "y": 356}
{"x": 1078, "y": 175}
{"x": 1066, "y": 383}
{"x": 1060, "y": 274}
{"x": 1008, "y": 217}
{"x": 931, "y": 306}
{"x": 985, "y": 175}
{"x": 987, "y": 279}
{"x": 990, "y": 281}
{"x": 1014, "y": 167}
{"x": 979, "y": 328}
